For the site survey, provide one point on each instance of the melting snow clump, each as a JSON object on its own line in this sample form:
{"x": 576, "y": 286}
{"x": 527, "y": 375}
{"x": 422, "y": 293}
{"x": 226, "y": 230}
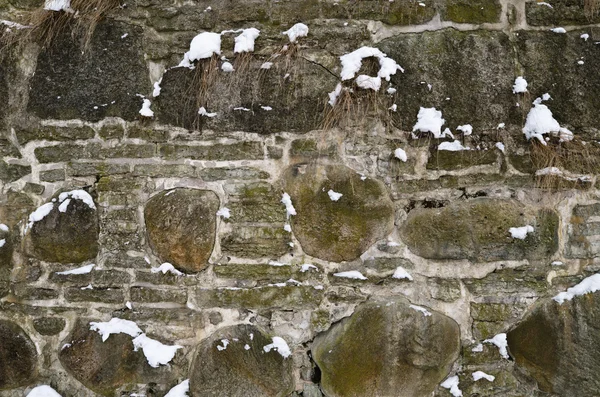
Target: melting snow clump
{"x": 204, "y": 46}
{"x": 181, "y": 390}
{"x": 352, "y": 62}
{"x": 156, "y": 353}
{"x": 43, "y": 391}
{"x": 145, "y": 110}
{"x": 454, "y": 146}
{"x": 500, "y": 342}
{"x": 430, "y": 120}
{"x": 466, "y": 129}
{"x": 289, "y": 207}
{"x": 588, "y": 285}
{"x": 227, "y": 67}
{"x": 354, "y": 274}
{"x": 559, "y": 30}
{"x": 280, "y": 345}
{"x": 245, "y": 41}
{"x": 166, "y": 268}
{"x": 540, "y": 122}
{"x": 115, "y": 326}
{"x": 482, "y": 375}
{"x": 80, "y": 270}
{"x": 334, "y": 196}
{"x": 400, "y": 154}
{"x": 296, "y": 31}
{"x": 401, "y": 274}
{"x": 520, "y": 85}
{"x": 520, "y": 232}
{"x": 452, "y": 385}
{"x": 224, "y": 212}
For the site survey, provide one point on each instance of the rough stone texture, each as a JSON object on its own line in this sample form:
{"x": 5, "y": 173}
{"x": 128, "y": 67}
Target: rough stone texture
{"x": 181, "y": 227}
{"x": 105, "y": 366}
{"x": 583, "y": 231}
{"x": 478, "y": 230}
{"x": 66, "y": 237}
{"x": 563, "y": 12}
{"x": 6, "y": 252}
{"x": 101, "y": 83}
{"x": 556, "y": 345}
{"x": 386, "y": 348}
{"x": 243, "y": 368}
{"x": 269, "y": 297}
{"x": 472, "y": 11}
{"x": 48, "y": 326}
{"x": 337, "y": 230}
{"x": 18, "y": 356}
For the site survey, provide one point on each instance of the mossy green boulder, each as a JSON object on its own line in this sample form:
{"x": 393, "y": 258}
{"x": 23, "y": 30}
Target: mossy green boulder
{"x": 388, "y": 347}
{"x": 478, "y": 230}
{"x": 181, "y": 226}
{"x": 18, "y": 357}
{"x": 234, "y": 362}
{"x": 337, "y": 230}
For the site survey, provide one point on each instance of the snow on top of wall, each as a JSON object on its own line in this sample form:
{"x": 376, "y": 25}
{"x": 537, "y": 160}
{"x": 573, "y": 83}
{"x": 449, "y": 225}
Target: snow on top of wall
{"x": 39, "y": 214}
{"x": 280, "y": 345}
{"x": 586, "y": 286}
{"x": 296, "y": 31}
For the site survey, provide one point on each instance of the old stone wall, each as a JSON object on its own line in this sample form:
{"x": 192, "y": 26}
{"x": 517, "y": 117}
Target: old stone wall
{"x": 244, "y": 203}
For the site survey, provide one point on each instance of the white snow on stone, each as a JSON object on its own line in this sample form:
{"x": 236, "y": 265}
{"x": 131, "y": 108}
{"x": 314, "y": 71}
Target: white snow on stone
{"x": 520, "y": 232}
{"x": 586, "y": 286}
{"x": 64, "y": 205}
{"x": 225, "y": 342}
{"x": 80, "y": 270}
{"x": 501, "y": 126}
{"x": 307, "y": 266}
{"x": 452, "y": 385}
{"x": 543, "y": 3}
{"x": 266, "y": 65}
{"x": 266, "y": 108}
{"x": 549, "y": 171}
{"x": 540, "y": 122}
{"x": 81, "y": 195}
{"x": 246, "y": 347}
{"x": 425, "y": 312}
{"x": 500, "y": 147}
{"x": 89, "y": 286}
{"x": 128, "y": 305}
{"x": 400, "y": 154}
{"x": 203, "y": 112}
{"x": 145, "y": 110}
{"x": 39, "y": 214}
{"x": 368, "y": 82}
{"x": 482, "y": 375}
{"x": 2, "y": 242}
{"x": 477, "y": 349}
{"x": 43, "y": 391}
{"x": 500, "y": 342}
{"x": 287, "y": 227}
{"x": 11, "y": 24}
{"x": 115, "y": 326}
{"x": 289, "y": 207}
{"x": 354, "y": 274}
{"x": 3, "y": 227}
{"x": 557, "y": 263}
{"x": 58, "y": 5}
{"x": 334, "y": 196}
{"x": 520, "y": 85}
{"x": 559, "y": 30}
{"x": 277, "y": 264}
{"x": 393, "y": 108}
{"x": 224, "y": 212}
{"x": 466, "y": 129}
{"x": 156, "y": 353}
{"x": 166, "y": 268}
{"x": 430, "y": 120}
{"x": 585, "y": 36}
{"x": 352, "y": 62}
{"x": 454, "y": 146}
{"x": 204, "y": 46}
{"x": 157, "y": 88}
{"x": 333, "y": 95}
{"x": 400, "y": 273}
{"x": 280, "y": 345}
{"x": 227, "y": 67}
{"x": 245, "y": 41}
{"x": 296, "y": 31}
{"x": 243, "y": 109}
{"x": 181, "y": 390}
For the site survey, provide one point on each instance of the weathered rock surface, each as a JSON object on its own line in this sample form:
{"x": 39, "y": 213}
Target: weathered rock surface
{"x": 105, "y": 366}
{"x": 478, "y": 229}
{"x": 337, "y": 230}
{"x": 69, "y": 236}
{"x": 181, "y": 226}
{"x": 584, "y": 229}
{"x": 102, "y": 82}
{"x": 386, "y": 348}
{"x": 240, "y": 366}
{"x": 6, "y": 252}
{"x": 18, "y": 356}
{"x": 557, "y": 345}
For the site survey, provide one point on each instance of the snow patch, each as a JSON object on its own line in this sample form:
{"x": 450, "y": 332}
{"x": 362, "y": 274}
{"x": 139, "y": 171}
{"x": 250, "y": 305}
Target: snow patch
{"x": 156, "y": 353}
{"x": 289, "y": 207}
{"x": 500, "y": 342}
{"x": 400, "y": 154}
{"x": 145, "y": 110}
{"x": 352, "y": 62}
{"x": 245, "y": 41}
{"x": 181, "y": 390}
{"x": 227, "y": 67}
{"x": 224, "y": 212}
{"x": 78, "y": 195}
{"x": 2, "y": 242}
{"x": 280, "y": 345}
{"x": 115, "y": 326}
{"x": 334, "y": 196}
{"x": 58, "y": 5}
{"x": 430, "y": 120}
{"x": 166, "y": 268}
{"x": 353, "y": 274}
{"x": 3, "y": 227}
{"x": 43, "y": 391}
{"x": 296, "y": 31}
{"x": 204, "y": 46}
{"x": 225, "y": 342}
{"x": 540, "y": 121}
{"x": 586, "y": 286}
{"x": 520, "y": 85}
{"x": 39, "y": 214}
{"x": 559, "y": 30}
{"x": 520, "y": 232}
{"x": 307, "y": 266}
{"x": 400, "y": 273}
{"x": 80, "y": 270}
{"x": 466, "y": 129}
{"x": 477, "y": 375}
{"x": 425, "y": 312}
{"x": 500, "y": 147}
{"x": 454, "y": 146}
{"x": 203, "y": 112}
{"x": 452, "y": 385}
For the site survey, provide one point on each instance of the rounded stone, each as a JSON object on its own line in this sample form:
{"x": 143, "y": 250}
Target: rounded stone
{"x": 337, "y": 230}
{"x": 67, "y": 234}
{"x": 181, "y": 227}
{"x": 387, "y": 348}
{"x": 233, "y": 362}
{"x": 48, "y": 326}
{"x": 18, "y": 356}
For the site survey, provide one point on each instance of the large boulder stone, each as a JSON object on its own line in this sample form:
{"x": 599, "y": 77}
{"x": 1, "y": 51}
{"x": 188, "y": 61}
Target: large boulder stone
{"x": 558, "y": 346}
{"x": 387, "y": 348}
{"x": 234, "y": 362}
{"x": 181, "y": 226}
{"x": 102, "y": 82}
{"x": 478, "y": 230}
{"x": 106, "y": 366}
{"x": 337, "y": 230}
{"x": 18, "y": 356}
{"x": 67, "y": 234}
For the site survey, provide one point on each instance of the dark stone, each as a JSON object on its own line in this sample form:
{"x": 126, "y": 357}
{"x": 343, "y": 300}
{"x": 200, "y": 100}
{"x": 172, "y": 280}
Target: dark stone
{"x": 256, "y": 241}
{"x": 557, "y": 344}
{"x": 237, "y": 151}
{"x": 478, "y": 229}
{"x": 67, "y": 152}
{"x": 243, "y": 368}
{"x": 156, "y": 295}
{"x": 181, "y": 226}
{"x": 563, "y": 12}
{"x": 386, "y": 348}
{"x": 66, "y": 237}
{"x": 12, "y": 172}
{"x": 337, "y": 230}
{"x": 49, "y": 326}
{"x": 96, "y": 168}
{"x": 451, "y": 160}
{"x": 18, "y": 357}
{"x": 269, "y": 297}
{"x": 52, "y": 175}
{"x": 52, "y": 133}
{"x": 399, "y": 12}
{"x": 102, "y": 82}
{"x": 95, "y": 294}
{"x": 105, "y": 366}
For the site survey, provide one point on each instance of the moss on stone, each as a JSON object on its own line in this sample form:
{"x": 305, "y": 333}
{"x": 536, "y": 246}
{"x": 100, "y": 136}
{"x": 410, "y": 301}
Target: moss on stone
{"x": 472, "y": 11}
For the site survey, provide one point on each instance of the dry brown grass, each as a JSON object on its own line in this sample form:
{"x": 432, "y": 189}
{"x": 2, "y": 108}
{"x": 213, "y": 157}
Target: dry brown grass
{"x": 203, "y": 82}
{"x": 576, "y": 157}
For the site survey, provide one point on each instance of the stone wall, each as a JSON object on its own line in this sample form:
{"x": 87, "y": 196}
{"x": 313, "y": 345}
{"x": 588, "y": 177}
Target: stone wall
{"x": 438, "y": 280}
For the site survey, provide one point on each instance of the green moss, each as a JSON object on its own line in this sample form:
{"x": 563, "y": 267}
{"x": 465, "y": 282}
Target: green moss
{"x": 473, "y": 11}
